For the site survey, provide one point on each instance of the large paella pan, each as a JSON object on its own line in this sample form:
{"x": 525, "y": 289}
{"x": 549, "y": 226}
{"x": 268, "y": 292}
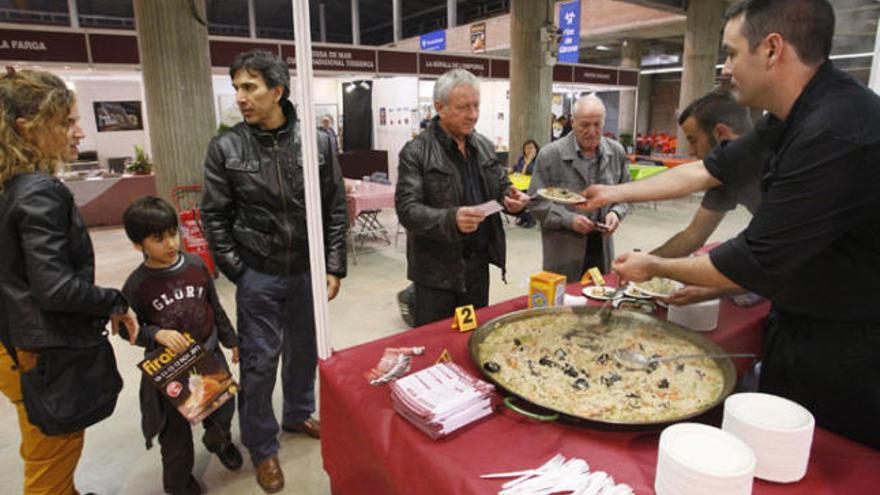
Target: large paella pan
{"x": 558, "y": 359}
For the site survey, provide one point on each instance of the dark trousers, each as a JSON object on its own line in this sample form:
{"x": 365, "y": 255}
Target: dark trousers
{"x": 275, "y": 320}
{"x": 436, "y": 304}
{"x": 831, "y": 368}
{"x": 175, "y": 440}
{"x": 593, "y": 254}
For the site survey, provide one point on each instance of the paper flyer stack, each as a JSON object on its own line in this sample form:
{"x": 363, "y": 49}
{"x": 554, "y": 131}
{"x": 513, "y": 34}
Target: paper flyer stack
{"x": 441, "y": 399}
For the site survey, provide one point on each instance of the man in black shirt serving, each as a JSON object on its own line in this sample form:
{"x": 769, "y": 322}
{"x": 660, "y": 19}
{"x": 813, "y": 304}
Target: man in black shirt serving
{"x": 813, "y": 246}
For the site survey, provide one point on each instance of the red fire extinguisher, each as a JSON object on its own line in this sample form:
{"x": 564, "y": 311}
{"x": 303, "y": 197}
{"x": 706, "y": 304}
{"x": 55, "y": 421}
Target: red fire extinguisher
{"x": 194, "y": 238}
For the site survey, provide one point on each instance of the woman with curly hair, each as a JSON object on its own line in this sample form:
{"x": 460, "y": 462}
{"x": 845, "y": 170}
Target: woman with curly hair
{"x": 52, "y": 316}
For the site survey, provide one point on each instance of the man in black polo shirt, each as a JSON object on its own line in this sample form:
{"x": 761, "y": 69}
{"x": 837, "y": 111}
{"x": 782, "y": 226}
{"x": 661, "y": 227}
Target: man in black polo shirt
{"x": 713, "y": 118}
{"x": 813, "y": 246}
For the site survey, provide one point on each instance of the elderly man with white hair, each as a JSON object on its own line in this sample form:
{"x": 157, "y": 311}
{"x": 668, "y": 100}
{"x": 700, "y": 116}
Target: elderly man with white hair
{"x": 443, "y": 174}
{"x": 574, "y": 240}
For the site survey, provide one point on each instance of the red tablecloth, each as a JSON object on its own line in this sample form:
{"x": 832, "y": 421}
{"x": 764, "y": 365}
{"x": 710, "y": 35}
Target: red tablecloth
{"x": 368, "y": 196}
{"x": 368, "y": 449}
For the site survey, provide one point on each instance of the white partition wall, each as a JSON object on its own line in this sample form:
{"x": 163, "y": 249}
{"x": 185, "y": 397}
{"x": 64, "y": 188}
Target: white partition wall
{"x": 495, "y": 112}
{"x": 395, "y": 116}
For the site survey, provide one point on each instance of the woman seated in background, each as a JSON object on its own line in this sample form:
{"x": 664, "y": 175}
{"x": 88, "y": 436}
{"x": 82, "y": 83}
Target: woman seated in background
{"x": 526, "y": 161}
{"x": 525, "y": 165}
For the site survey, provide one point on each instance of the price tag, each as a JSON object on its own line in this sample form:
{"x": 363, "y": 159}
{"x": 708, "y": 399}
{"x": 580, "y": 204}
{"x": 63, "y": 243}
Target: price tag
{"x": 594, "y": 275}
{"x": 465, "y": 318}
{"x": 444, "y": 357}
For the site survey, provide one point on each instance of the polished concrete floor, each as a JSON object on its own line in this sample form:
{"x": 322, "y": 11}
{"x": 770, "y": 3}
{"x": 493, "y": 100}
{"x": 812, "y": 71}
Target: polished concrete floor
{"x": 115, "y": 461}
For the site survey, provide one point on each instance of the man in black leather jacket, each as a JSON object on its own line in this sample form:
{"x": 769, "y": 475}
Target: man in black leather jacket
{"x": 443, "y": 173}
{"x": 255, "y": 219}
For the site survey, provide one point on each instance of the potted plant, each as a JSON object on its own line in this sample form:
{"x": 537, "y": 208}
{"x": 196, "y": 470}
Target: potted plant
{"x": 141, "y": 165}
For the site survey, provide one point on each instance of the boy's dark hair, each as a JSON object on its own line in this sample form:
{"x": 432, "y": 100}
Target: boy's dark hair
{"x": 718, "y": 106}
{"x": 807, "y": 24}
{"x": 269, "y": 65}
{"x": 148, "y": 216}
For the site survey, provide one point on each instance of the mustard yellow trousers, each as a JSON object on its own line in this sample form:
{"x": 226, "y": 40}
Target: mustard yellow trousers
{"x": 49, "y": 461}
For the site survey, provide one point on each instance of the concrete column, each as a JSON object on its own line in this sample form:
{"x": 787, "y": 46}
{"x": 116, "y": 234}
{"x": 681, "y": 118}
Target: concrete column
{"x": 252, "y": 18}
{"x": 701, "y": 42}
{"x": 397, "y": 20}
{"x": 173, "y": 47}
{"x": 322, "y": 22}
{"x": 643, "y": 119}
{"x": 355, "y": 22}
{"x": 631, "y": 58}
{"x": 451, "y": 13}
{"x": 73, "y": 11}
{"x": 531, "y": 80}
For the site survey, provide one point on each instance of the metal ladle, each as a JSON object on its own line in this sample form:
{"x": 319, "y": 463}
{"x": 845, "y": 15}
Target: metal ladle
{"x": 635, "y": 360}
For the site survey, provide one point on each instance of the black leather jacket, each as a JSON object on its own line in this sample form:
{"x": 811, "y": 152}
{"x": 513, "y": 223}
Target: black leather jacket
{"x": 429, "y": 192}
{"x": 254, "y": 205}
{"x": 47, "y": 269}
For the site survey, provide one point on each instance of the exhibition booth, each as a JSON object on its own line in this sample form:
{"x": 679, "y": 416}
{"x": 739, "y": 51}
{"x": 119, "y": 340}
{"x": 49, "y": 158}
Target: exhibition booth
{"x": 387, "y": 92}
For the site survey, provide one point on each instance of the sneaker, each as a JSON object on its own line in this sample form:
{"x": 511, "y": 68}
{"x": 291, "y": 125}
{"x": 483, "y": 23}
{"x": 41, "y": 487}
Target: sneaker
{"x": 229, "y": 456}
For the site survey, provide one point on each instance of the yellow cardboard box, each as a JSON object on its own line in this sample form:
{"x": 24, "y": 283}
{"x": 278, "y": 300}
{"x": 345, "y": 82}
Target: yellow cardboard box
{"x": 546, "y": 289}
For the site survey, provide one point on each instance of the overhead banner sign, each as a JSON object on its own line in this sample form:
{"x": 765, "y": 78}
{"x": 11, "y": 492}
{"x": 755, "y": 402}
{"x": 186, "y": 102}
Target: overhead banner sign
{"x": 478, "y": 37}
{"x": 223, "y": 52}
{"x": 434, "y": 41}
{"x": 34, "y": 46}
{"x": 570, "y": 23}
{"x": 332, "y": 58}
{"x": 439, "y": 64}
{"x": 100, "y": 49}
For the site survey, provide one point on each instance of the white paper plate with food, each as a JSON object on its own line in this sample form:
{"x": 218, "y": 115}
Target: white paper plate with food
{"x": 657, "y": 286}
{"x": 561, "y": 195}
{"x": 632, "y": 291}
{"x": 599, "y": 292}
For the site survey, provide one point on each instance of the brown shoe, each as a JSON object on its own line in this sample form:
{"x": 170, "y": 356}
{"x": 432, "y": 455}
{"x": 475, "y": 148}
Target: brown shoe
{"x": 310, "y": 427}
{"x": 269, "y": 475}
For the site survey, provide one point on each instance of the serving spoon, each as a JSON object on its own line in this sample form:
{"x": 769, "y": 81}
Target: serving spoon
{"x": 636, "y": 360}
{"x": 604, "y": 312}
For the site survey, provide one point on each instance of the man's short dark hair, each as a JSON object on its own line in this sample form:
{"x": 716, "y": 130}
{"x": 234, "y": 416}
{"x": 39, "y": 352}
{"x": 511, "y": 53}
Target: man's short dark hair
{"x": 807, "y": 24}
{"x": 148, "y": 216}
{"x": 718, "y": 106}
{"x": 269, "y": 65}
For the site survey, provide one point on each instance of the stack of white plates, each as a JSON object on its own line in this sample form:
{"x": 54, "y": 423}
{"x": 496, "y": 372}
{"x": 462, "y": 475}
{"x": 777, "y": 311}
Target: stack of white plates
{"x": 779, "y": 431}
{"x": 697, "y": 459}
{"x": 701, "y": 316}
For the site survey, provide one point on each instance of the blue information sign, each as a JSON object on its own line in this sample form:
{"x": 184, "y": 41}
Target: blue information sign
{"x": 434, "y": 41}
{"x": 570, "y": 22}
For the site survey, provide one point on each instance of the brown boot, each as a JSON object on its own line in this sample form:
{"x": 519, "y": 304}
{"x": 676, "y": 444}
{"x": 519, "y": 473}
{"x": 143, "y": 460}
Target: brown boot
{"x": 310, "y": 427}
{"x": 269, "y": 475}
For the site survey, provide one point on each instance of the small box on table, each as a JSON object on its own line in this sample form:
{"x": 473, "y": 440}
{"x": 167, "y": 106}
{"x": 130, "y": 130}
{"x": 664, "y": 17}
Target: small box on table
{"x": 546, "y": 289}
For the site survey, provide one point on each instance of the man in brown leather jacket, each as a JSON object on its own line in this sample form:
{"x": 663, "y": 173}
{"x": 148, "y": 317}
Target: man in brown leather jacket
{"x": 443, "y": 174}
